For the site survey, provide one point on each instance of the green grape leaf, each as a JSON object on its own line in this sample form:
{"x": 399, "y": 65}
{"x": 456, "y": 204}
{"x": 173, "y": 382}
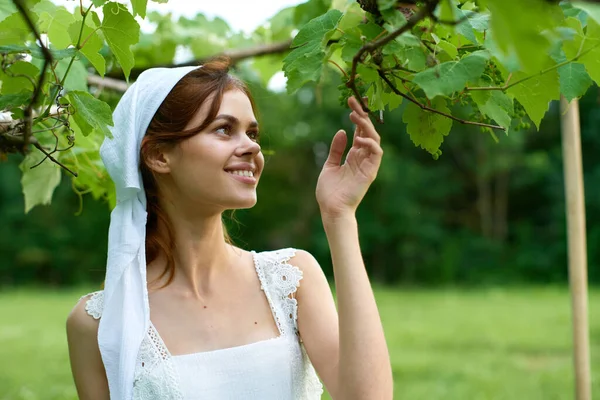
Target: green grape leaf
{"x": 449, "y": 11}
{"x": 305, "y": 61}
{"x": 574, "y": 80}
{"x": 427, "y": 129}
{"x": 317, "y": 29}
{"x": 38, "y": 183}
{"x": 367, "y": 74}
{"x": 92, "y": 46}
{"x": 384, "y": 5}
{"x": 55, "y": 22}
{"x": 311, "y": 9}
{"x": 96, "y": 19}
{"x": 6, "y": 8}
{"x": 394, "y": 19}
{"x": 121, "y": 31}
{"x": 593, "y": 10}
{"x": 139, "y": 7}
{"x": 98, "y": 3}
{"x": 451, "y": 76}
{"x": 586, "y": 46}
{"x": 449, "y": 48}
{"x": 351, "y": 44}
{"x": 495, "y": 104}
{"x": 77, "y": 77}
{"x": 536, "y": 93}
{"x": 12, "y": 83}
{"x": 393, "y": 101}
{"x": 480, "y": 21}
{"x": 591, "y": 59}
{"x": 90, "y": 113}
{"x": 352, "y": 17}
{"x": 518, "y": 28}
{"x": 13, "y": 29}
{"x": 414, "y": 58}
{"x": 573, "y": 45}
{"x": 14, "y": 100}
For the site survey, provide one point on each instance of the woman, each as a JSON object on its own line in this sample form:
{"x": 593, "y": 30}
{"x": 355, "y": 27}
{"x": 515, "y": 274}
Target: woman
{"x": 225, "y": 323}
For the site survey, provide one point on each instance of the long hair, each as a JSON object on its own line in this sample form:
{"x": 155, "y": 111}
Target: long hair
{"x": 167, "y": 129}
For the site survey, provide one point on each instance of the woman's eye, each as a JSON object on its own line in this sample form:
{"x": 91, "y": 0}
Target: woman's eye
{"x": 254, "y": 135}
{"x": 223, "y": 129}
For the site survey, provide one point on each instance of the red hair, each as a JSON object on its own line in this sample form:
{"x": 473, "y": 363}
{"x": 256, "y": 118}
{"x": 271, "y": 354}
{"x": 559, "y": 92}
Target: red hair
{"x": 167, "y": 129}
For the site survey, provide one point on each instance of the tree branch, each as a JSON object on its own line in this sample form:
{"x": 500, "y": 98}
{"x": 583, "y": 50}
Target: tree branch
{"x": 234, "y": 55}
{"x": 110, "y": 83}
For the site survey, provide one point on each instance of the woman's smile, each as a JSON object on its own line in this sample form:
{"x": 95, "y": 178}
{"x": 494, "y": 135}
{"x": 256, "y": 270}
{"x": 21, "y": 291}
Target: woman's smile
{"x": 243, "y": 176}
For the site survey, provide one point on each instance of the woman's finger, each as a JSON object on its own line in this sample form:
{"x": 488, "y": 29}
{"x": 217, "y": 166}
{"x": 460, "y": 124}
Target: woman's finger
{"x": 355, "y": 105}
{"x": 365, "y": 126}
{"x": 357, "y": 129}
{"x": 369, "y": 143}
{"x": 336, "y": 151}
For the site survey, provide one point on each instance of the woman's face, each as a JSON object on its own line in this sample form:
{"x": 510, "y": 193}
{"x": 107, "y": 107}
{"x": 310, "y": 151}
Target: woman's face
{"x": 219, "y": 168}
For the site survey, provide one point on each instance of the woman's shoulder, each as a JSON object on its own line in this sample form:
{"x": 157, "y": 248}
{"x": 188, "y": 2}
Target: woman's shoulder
{"x": 83, "y": 318}
{"x": 294, "y": 257}
{"x": 285, "y": 268}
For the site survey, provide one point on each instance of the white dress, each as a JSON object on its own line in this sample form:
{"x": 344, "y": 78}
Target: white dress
{"x": 277, "y": 368}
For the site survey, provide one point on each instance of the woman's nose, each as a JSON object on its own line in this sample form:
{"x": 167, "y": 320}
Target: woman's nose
{"x": 249, "y": 146}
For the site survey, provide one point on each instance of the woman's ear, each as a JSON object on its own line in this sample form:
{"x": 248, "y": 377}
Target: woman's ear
{"x": 157, "y": 160}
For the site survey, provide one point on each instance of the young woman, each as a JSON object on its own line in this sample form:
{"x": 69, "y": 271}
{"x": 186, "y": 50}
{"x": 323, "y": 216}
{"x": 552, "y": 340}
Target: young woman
{"x": 186, "y": 314}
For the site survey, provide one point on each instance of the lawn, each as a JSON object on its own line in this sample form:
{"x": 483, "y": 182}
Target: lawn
{"x": 512, "y": 343}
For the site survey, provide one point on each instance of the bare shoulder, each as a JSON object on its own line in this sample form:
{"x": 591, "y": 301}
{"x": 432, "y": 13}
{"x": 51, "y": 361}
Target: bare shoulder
{"x": 80, "y": 322}
{"x": 84, "y": 353}
{"x": 314, "y": 282}
{"x": 307, "y": 263}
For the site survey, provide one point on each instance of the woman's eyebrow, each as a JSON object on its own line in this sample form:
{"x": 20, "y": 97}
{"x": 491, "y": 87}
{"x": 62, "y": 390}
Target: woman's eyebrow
{"x": 233, "y": 120}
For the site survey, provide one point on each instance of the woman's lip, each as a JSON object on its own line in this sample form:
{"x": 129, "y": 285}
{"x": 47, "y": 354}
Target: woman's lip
{"x": 245, "y": 179}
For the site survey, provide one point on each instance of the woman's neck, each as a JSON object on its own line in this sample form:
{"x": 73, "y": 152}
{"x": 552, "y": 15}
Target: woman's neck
{"x": 200, "y": 253}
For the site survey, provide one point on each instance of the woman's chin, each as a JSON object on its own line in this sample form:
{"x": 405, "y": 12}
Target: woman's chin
{"x": 244, "y": 203}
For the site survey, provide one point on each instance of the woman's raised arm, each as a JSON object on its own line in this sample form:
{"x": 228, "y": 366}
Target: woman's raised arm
{"x": 364, "y": 364}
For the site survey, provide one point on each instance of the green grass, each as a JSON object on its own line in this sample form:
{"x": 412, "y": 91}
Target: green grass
{"x": 450, "y": 344}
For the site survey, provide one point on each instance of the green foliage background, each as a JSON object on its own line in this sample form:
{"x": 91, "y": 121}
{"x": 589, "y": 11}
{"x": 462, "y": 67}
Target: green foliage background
{"x": 489, "y": 210}
{"x": 420, "y": 222}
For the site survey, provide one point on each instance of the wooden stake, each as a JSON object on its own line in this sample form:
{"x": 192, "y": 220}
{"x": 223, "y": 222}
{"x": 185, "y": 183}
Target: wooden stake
{"x": 576, "y": 232}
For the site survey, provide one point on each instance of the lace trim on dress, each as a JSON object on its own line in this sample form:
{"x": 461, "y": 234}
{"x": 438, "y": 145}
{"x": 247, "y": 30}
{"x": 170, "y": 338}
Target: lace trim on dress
{"x": 282, "y": 280}
{"x": 95, "y": 304}
{"x": 155, "y": 376}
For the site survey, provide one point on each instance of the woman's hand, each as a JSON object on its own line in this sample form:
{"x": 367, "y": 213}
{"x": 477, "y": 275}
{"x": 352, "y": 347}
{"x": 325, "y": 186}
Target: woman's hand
{"x": 341, "y": 187}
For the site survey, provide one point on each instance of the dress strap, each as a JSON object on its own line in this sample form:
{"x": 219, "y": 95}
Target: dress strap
{"x": 280, "y": 280}
{"x": 95, "y": 304}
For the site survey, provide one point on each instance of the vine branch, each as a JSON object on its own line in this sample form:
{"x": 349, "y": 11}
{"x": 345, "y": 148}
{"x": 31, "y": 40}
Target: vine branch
{"x": 48, "y": 155}
{"x": 372, "y": 46}
{"x": 28, "y": 112}
{"x": 542, "y": 72}
{"x": 433, "y": 110}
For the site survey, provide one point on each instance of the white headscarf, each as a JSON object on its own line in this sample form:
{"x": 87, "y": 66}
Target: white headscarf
{"x": 126, "y": 315}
